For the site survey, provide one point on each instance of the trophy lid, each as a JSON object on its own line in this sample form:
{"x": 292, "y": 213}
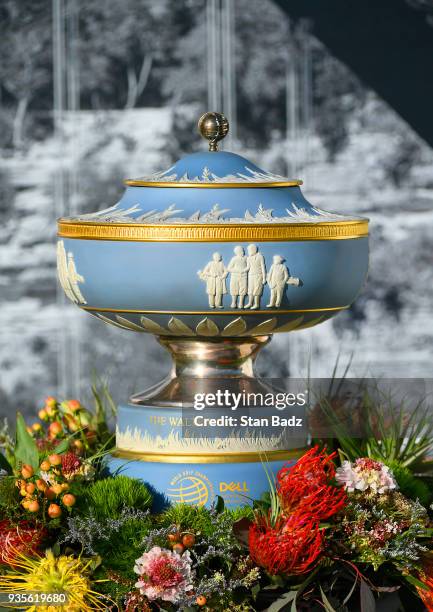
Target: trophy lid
{"x": 214, "y": 187}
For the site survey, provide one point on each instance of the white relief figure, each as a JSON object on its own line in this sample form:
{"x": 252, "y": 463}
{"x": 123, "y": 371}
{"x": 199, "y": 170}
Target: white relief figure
{"x": 62, "y": 270}
{"x": 256, "y": 276}
{"x": 68, "y": 275}
{"x": 215, "y": 274}
{"x": 278, "y": 277}
{"x": 74, "y": 279}
{"x": 238, "y": 268}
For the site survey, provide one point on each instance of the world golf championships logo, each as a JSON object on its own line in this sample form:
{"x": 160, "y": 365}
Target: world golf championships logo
{"x": 192, "y": 488}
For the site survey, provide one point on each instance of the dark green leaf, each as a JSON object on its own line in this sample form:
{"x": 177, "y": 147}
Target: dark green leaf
{"x": 4, "y": 464}
{"x": 26, "y": 450}
{"x": 219, "y": 506}
{"x": 326, "y": 602}
{"x": 415, "y": 582}
{"x": 368, "y": 603}
{"x": 282, "y": 601}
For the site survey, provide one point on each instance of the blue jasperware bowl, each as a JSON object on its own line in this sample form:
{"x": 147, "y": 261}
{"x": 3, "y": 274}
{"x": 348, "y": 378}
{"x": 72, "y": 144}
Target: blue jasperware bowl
{"x": 213, "y": 246}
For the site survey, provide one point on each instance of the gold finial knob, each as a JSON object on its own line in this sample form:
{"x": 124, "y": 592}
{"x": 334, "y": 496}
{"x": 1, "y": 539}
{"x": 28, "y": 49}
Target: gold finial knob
{"x": 214, "y": 127}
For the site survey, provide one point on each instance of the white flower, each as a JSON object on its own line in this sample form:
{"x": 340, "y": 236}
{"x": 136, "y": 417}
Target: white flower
{"x": 366, "y": 474}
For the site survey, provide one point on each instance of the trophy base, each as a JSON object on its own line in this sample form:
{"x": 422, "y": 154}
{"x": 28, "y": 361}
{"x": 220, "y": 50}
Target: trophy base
{"x": 198, "y": 480}
{"x": 157, "y": 443}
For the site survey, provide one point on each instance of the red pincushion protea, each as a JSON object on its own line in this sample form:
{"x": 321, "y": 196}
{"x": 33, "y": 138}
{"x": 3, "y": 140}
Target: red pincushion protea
{"x": 19, "y": 539}
{"x": 71, "y": 463}
{"x": 292, "y": 546}
{"x": 426, "y": 595}
{"x": 305, "y": 487}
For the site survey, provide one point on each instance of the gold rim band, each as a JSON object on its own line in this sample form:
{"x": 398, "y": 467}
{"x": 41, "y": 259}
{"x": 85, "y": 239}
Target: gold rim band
{"x": 234, "y": 232}
{"x": 273, "y": 455}
{"x": 212, "y": 312}
{"x": 138, "y": 183}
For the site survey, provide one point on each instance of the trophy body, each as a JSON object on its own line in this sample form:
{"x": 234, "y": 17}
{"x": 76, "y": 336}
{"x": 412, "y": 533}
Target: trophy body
{"x": 213, "y": 257}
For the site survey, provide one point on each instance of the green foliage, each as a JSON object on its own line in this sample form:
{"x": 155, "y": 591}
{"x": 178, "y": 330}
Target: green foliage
{"x": 409, "y": 485}
{"x": 109, "y": 496}
{"x": 196, "y": 519}
{"x": 124, "y": 546}
{"x": 389, "y": 430}
{"x": 26, "y": 450}
{"x": 9, "y": 495}
{"x": 242, "y": 512}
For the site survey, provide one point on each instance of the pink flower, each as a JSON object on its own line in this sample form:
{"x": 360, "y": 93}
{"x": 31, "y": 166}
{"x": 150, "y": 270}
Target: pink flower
{"x": 366, "y": 474}
{"x": 164, "y": 574}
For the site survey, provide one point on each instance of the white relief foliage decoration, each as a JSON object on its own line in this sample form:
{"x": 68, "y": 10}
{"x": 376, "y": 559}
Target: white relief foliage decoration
{"x": 207, "y": 176}
{"x": 215, "y": 215}
{"x": 249, "y": 441}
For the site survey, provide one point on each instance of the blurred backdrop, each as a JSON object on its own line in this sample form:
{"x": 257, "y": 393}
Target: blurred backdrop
{"x": 94, "y": 92}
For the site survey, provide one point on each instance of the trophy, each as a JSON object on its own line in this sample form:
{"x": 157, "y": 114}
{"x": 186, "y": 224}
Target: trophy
{"x": 213, "y": 256}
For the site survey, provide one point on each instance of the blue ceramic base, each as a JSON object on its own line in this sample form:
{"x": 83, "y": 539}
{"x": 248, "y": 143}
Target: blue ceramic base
{"x": 198, "y": 483}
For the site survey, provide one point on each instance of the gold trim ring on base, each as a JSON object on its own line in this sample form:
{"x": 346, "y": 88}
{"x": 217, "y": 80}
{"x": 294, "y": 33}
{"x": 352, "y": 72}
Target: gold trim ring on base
{"x": 230, "y": 232}
{"x": 272, "y": 455}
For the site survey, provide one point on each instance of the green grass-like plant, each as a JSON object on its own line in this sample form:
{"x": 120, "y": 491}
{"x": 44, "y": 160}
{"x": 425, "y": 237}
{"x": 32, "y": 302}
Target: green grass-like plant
{"x": 198, "y": 519}
{"x": 410, "y": 485}
{"x": 109, "y": 496}
{"x": 390, "y": 430}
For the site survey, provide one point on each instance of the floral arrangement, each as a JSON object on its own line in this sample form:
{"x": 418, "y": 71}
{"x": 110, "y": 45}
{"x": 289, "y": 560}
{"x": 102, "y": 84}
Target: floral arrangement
{"x": 335, "y": 531}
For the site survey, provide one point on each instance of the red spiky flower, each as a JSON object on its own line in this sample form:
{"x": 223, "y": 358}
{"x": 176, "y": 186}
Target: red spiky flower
{"x": 426, "y": 576}
{"x": 306, "y": 486}
{"x": 292, "y": 546}
{"x": 22, "y": 538}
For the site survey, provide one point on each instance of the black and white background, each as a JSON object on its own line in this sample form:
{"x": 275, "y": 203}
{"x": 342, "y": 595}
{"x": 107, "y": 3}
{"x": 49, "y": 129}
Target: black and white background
{"x": 93, "y": 92}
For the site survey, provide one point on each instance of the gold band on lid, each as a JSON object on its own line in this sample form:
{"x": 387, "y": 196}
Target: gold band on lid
{"x": 230, "y": 232}
{"x": 257, "y": 457}
{"x": 212, "y": 185}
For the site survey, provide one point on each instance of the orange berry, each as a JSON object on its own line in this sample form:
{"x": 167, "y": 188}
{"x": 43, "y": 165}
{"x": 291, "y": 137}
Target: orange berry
{"x": 49, "y": 493}
{"x": 54, "y": 511}
{"x": 29, "y": 430}
{"x": 178, "y": 548}
{"x": 42, "y": 414}
{"x": 74, "y": 405}
{"x": 69, "y": 500}
{"x": 27, "y": 471}
{"x": 55, "y": 428}
{"x": 37, "y": 427}
{"x": 173, "y": 537}
{"x": 33, "y": 506}
{"x": 55, "y": 459}
{"x": 65, "y": 486}
{"x": 41, "y": 484}
{"x": 50, "y": 410}
{"x": 30, "y": 488}
{"x": 57, "y": 488}
{"x": 78, "y": 446}
{"x": 45, "y": 465}
{"x": 188, "y": 540}
{"x": 23, "y": 492}
{"x": 51, "y": 402}
{"x": 25, "y": 503}
{"x": 201, "y": 600}
{"x": 71, "y": 423}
